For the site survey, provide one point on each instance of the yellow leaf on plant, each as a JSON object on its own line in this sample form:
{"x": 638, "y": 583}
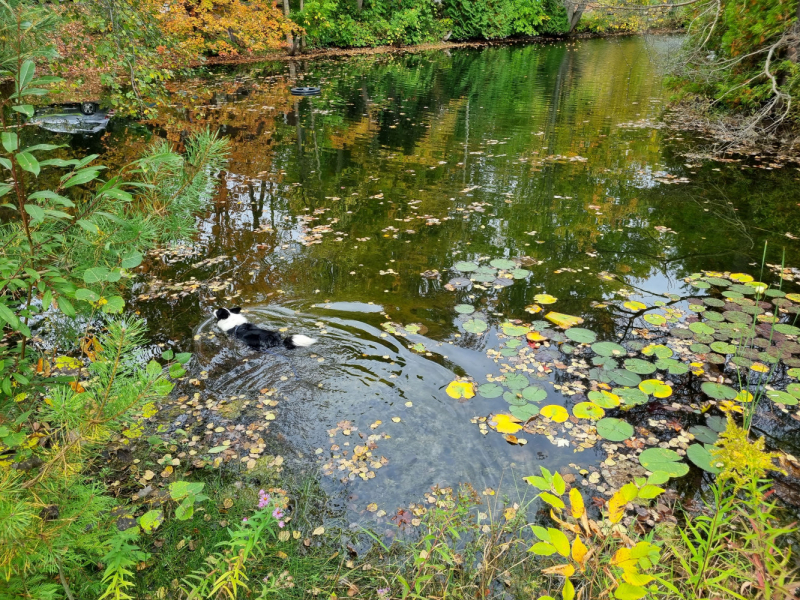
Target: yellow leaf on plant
{"x": 566, "y": 570}
{"x": 633, "y": 577}
{"x": 563, "y": 524}
{"x": 622, "y": 558}
{"x": 505, "y": 423}
{"x": 576, "y": 503}
{"x": 744, "y": 396}
{"x": 460, "y": 389}
{"x": 562, "y": 320}
{"x": 556, "y": 413}
{"x": 579, "y": 551}
{"x": 616, "y": 507}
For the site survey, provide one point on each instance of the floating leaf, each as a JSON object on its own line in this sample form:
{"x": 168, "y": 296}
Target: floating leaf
{"x": 787, "y": 329}
{"x": 634, "y": 305}
{"x": 781, "y": 397}
{"x": 741, "y": 277}
{"x": 475, "y": 326}
{"x": 588, "y": 410}
{"x": 614, "y": 430}
{"x": 490, "y": 390}
{"x": 520, "y": 273}
{"x": 663, "y": 459}
{"x": 655, "y": 319}
{"x": 544, "y": 299}
{"x": 514, "y": 330}
{"x": 639, "y": 366}
{"x": 524, "y": 412}
{"x": 466, "y": 266}
{"x": 460, "y": 389}
{"x": 702, "y": 458}
{"x": 718, "y": 391}
{"x": 535, "y": 336}
{"x": 562, "y": 320}
{"x": 465, "y": 309}
{"x": 534, "y": 393}
{"x": 581, "y": 335}
{"x": 608, "y": 349}
{"x": 631, "y": 396}
{"x": 516, "y": 381}
{"x": 604, "y": 399}
{"x": 723, "y": 348}
{"x": 533, "y": 309}
{"x": 673, "y": 366}
{"x": 717, "y": 423}
{"x": 503, "y": 263}
{"x": 656, "y": 388}
{"x": 555, "y": 413}
{"x": 704, "y": 434}
{"x": 702, "y": 328}
{"x": 625, "y": 378}
{"x": 505, "y": 423}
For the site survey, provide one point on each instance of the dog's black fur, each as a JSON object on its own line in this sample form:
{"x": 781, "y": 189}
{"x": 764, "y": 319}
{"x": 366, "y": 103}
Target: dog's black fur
{"x": 233, "y": 322}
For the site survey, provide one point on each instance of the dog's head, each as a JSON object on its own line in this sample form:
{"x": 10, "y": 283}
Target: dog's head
{"x": 224, "y": 313}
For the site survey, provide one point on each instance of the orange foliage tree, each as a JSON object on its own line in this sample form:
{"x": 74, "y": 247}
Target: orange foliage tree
{"x": 225, "y": 27}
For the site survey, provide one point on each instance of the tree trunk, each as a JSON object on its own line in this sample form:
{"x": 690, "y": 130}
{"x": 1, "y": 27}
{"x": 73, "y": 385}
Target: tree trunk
{"x": 302, "y": 37}
{"x": 289, "y": 37}
{"x": 359, "y": 4}
{"x": 574, "y": 12}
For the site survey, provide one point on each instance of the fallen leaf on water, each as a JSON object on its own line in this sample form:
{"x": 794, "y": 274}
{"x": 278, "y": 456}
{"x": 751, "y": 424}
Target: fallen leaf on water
{"x": 318, "y": 531}
{"x": 460, "y": 389}
{"x": 505, "y": 423}
{"x": 562, "y": 320}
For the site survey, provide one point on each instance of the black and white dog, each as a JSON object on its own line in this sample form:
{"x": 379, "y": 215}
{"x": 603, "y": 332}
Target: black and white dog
{"x": 231, "y": 321}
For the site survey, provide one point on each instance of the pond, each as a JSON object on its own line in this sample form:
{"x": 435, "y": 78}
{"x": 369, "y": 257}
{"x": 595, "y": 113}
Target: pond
{"x": 421, "y": 218}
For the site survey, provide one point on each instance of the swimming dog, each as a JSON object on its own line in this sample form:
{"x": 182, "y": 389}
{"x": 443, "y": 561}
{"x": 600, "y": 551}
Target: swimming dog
{"x": 232, "y": 321}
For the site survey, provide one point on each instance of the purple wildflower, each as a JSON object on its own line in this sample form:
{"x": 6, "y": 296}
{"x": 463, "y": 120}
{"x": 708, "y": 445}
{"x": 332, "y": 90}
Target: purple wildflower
{"x": 277, "y": 513}
{"x": 384, "y": 593}
{"x": 281, "y": 524}
{"x": 244, "y": 520}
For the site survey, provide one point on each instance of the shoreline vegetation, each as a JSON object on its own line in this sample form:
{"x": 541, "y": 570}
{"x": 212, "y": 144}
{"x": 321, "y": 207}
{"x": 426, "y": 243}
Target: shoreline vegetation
{"x": 94, "y": 504}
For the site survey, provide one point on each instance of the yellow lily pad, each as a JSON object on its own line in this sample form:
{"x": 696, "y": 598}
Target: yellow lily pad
{"x": 505, "y": 423}
{"x": 556, "y": 413}
{"x": 563, "y": 320}
{"x": 545, "y": 299}
{"x": 460, "y": 389}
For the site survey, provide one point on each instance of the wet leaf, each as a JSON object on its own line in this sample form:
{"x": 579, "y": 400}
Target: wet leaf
{"x": 655, "y": 319}
{"x": 631, "y": 396}
{"x": 475, "y": 326}
{"x": 534, "y": 393}
{"x": 704, "y": 434}
{"x": 465, "y": 309}
{"x": 588, "y": 410}
{"x": 524, "y": 412}
{"x": 503, "y": 263}
{"x": 615, "y": 430}
{"x": 581, "y": 335}
{"x": 718, "y": 391}
{"x": 465, "y": 266}
{"x": 658, "y": 350}
{"x": 516, "y": 381}
{"x": 634, "y": 305}
{"x": 544, "y": 299}
{"x": 554, "y": 412}
{"x": 562, "y": 320}
{"x": 702, "y": 458}
{"x": 781, "y": 397}
{"x": 490, "y": 390}
{"x": 664, "y": 460}
{"x": 604, "y": 399}
{"x": 460, "y": 389}
{"x": 514, "y": 330}
{"x": 639, "y": 366}
{"x": 608, "y": 349}
{"x": 506, "y": 423}
{"x": 656, "y": 388}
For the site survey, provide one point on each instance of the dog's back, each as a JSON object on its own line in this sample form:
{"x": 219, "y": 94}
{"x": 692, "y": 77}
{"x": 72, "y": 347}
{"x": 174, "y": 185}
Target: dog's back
{"x": 256, "y": 338}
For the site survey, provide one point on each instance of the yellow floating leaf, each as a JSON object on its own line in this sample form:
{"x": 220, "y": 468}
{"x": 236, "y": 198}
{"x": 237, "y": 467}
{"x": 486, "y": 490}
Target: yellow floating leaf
{"x": 512, "y": 439}
{"x": 793, "y": 297}
{"x": 562, "y": 320}
{"x": 741, "y": 277}
{"x": 759, "y": 368}
{"x": 616, "y": 507}
{"x": 576, "y": 503}
{"x": 729, "y": 406}
{"x": 372, "y": 507}
{"x": 506, "y": 423}
{"x": 535, "y": 336}
{"x": 460, "y": 389}
{"x": 545, "y": 299}
{"x": 744, "y": 396}
{"x": 656, "y": 387}
{"x": 556, "y": 413}
{"x": 634, "y": 305}
{"x": 533, "y": 309}
{"x": 566, "y": 570}
{"x": 579, "y": 551}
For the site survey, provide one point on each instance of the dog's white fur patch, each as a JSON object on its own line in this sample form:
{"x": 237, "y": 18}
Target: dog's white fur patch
{"x": 231, "y": 321}
{"x": 303, "y": 341}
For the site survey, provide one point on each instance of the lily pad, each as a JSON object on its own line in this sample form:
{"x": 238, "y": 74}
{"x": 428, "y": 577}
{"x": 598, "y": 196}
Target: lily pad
{"x": 704, "y": 434}
{"x": 533, "y": 393}
{"x": 737, "y": 316}
{"x": 723, "y": 348}
{"x": 514, "y": 330}
{"x": 625, "y": 378}
{"x": 701, "y": 328}
{"x": 631, "y": 396}
{"x": 656, "y": 388}
{"x": 502, "y": 263}
{"x": 787, "y": 329}
{"x": 699, "y": 348}
{"x": 794, "y": 389}
{"x": 466, "y": 266}
{"x": 475, "y": 326}
{"x": 672, "y": 366}
{"x": 702, "y": 458}
{"x": 460, "y": 283}
{"x": 655, "y": 319}
{"x": 482, "y": 277}
{"x": 658, "y": 350}
{"x": 562, "y": 320}
{"x": 516, "y": 381}
{"x": 717, "y": 423}
{"x": 588, "y": 410}
{"x": 634, "y": 305}
{"x": 614, "y": 430}
{"x": 514, "y": 399}
{"x": 460, "y": 389}
{"x": 490, "y": 390}
{"x": 639, "y": 366}
{"x": 525, "y": 412}
{"x": 555, "y": 413}
{"x": 608, "y": 349}
{"x": 715, "y": 302}
{"x": 520, "y": 273}
{"x": 664, "y": 460}
{"x": 604, "y": 399}
{"x": 465, "y": 309}
{"x": 605, "y": 362}
{"x": 581, "y": 335}
{"x": 700, "y": 285}
{"x": 544, "y": 299}
{"x": 781, "y": 397}
{"x": 718, "y": 391}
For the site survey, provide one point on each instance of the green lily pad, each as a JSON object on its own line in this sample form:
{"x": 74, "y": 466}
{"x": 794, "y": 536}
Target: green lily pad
{"x": 514, "y": 330}
{"x": 723, "y": 348}
{"x": 604, "y": 399}
{"x": 717, "y": 423}
{"x": 672, "y": 366}
{"x": 581, "y": 335}
{"x": 475, "y": 326}
{"x": 517, "y": 381}
{"x": 794, "y": 389}
{"x": 608, "y": 349}
{"x": 701, "y": 328}
{"x": 639, "y": 366}
{"x": 699, "y": 348}
{"x": 514, "y": 399}
{"x": 482, "y": 277}
{"x": 523, "y": 413}
{"x": 605, "y": 362}
{"x": 718, "y": 391}
{"x": 702, "y": 458}
{"x": 781, "y": 397}
{"x": 700, "y": 285}
{"x": 465, "y": 309}
{"x": 718, "y": 281}
{"x": 520, "y": 273}
{"x": 515, "y": 343}
{"x": 731, "y": 295}
{"x": 659, "y": 350}
{"x": 631, "y": 396}
{"x": 465, "y": 266}
{"x": 704, "y": 434}
{"x": 787, "y": 329}
{"x": 713, "y": 316}
{"x": 508, "y": 352}
{"x": 533, "y": 393}
{"x": 614, "y": 430}
{"x": 588, "y": 410}
{"x": 624, "y": 378}
{"x": 503, "y": 263}
{"x": 683, "y": 334}
{"x": 737, "y": 316}
{"x": 795, "y": 372}
{"x": 665, "y": 460}
{"x": 567, "y": 348}
{"x": 655, "y": 319}
{"x": 490, "y": 390}
{"x": 715, "y": 302}
{"x": 698, "y": 308}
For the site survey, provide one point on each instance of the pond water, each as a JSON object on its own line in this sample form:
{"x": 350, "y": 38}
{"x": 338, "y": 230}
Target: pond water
{"x": 368, "y": 217}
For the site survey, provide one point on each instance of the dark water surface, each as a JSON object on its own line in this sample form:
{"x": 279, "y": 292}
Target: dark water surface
{"x": 334, "y": 207}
